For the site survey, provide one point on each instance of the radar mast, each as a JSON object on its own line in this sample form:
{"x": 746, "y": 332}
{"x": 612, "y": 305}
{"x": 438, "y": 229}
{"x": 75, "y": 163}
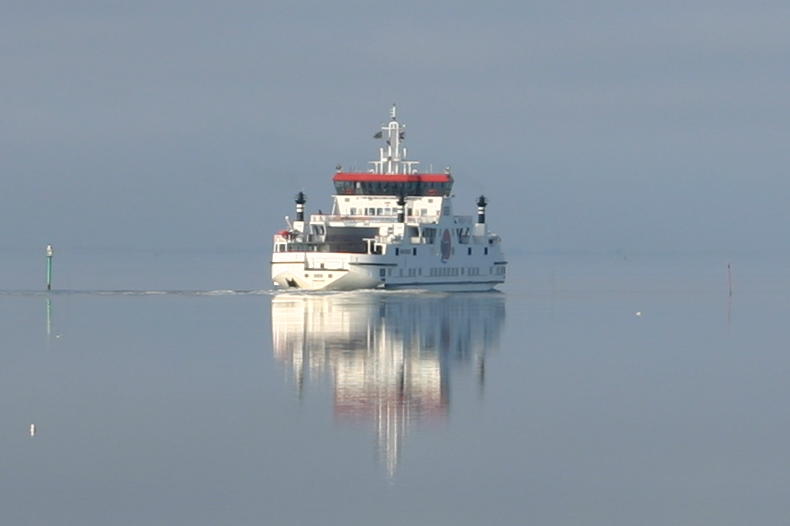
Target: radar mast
{"x": 392, "y": 156}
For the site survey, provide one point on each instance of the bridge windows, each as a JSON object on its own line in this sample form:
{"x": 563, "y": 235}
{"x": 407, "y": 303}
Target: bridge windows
{"x": 384, "y": 187}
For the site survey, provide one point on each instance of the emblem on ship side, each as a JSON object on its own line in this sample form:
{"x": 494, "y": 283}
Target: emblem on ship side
{"x": 447, "y": 246}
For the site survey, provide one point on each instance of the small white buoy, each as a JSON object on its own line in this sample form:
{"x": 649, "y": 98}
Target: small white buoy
{"x": 32, "y": 430}
{"x": 639, "y": 313}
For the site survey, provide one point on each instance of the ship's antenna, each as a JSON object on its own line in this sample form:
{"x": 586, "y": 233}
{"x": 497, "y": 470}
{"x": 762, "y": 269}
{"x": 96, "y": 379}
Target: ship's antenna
{"x": 392, "y": 156}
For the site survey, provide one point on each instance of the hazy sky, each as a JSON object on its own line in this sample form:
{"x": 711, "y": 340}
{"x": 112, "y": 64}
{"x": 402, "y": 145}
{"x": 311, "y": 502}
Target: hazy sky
{"x": 590, "y": 125}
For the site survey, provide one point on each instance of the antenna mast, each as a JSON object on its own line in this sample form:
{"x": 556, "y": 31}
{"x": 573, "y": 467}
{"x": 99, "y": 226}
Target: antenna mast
{"x": 392, "y": 156}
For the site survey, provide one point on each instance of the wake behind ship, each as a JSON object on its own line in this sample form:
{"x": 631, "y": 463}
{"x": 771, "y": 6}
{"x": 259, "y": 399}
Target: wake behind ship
{"x": 391, "y": 227}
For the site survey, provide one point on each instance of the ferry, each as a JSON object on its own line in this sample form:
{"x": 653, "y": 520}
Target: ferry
{"x": 392, "y": 227}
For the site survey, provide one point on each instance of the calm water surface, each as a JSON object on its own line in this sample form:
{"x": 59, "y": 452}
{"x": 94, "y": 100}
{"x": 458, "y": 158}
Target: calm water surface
{"x": 175, "y": 389}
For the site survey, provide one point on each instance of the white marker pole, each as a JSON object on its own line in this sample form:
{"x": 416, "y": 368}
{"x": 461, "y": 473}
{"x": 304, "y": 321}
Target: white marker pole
{"x": 50, "y": 253}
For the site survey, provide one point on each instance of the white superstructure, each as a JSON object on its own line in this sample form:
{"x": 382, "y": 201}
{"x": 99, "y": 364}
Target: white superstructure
{"x": 390, "y": 227}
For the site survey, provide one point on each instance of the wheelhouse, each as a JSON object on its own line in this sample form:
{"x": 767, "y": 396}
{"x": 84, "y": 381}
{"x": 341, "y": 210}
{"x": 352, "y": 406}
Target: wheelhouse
{"x": 347, "y": 183}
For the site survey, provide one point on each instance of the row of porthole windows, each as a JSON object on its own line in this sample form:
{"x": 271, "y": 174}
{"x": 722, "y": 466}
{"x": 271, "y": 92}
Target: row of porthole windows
{"x": 434, "y": 272}
{"x": 401, "y": 251}
{"x": 295, "y": 247}
{"x": 385, "y": 212}
{"x": 410, "y": 272}
{"x": 347, "y": 199}
{"x": 446, "y": 271}
{"x": 440, "y": 272}
{"x": 456, "y": 271}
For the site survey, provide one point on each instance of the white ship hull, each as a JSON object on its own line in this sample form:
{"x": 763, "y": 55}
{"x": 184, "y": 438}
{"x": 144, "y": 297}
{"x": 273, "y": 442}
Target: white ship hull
{"x": 336, "y": 271}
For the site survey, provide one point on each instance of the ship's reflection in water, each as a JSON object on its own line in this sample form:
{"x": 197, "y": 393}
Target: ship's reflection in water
{"x": 389, "y": 356}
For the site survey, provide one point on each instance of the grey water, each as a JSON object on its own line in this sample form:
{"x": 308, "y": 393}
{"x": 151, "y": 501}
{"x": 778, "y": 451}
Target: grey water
{"x": 176, "y": 388}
